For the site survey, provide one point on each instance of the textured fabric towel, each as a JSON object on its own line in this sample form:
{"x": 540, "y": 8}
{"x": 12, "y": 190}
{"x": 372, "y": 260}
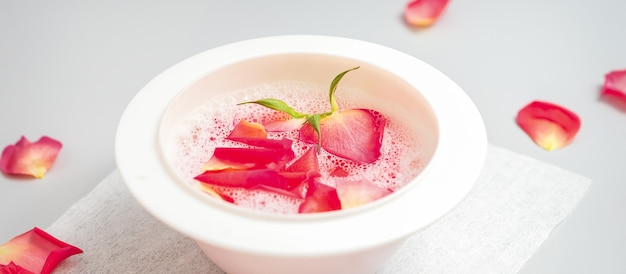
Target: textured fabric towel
{"x": 515, "y": 205}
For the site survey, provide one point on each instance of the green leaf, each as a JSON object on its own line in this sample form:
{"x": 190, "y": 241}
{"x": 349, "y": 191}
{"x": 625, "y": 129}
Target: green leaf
{"x": 333, "y": 87}
{"x": 276, "y": 104}
{"x": 314, "y": 121}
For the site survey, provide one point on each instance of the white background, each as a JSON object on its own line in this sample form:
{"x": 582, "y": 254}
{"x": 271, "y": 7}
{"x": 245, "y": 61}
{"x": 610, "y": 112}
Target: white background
{"x": 69, "y": 68}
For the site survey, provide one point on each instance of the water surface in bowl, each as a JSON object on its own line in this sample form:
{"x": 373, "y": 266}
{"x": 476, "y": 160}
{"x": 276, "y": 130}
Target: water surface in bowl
{"x": 211, "y": 101}
{"x": 207, "y": 126}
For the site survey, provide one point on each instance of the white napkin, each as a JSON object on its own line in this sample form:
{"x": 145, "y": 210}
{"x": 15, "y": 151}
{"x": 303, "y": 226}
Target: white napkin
{"x": 515, "y": 205}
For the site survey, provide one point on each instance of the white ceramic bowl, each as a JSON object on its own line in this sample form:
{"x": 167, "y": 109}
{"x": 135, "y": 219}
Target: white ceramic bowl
{"x": 359, "y": 240}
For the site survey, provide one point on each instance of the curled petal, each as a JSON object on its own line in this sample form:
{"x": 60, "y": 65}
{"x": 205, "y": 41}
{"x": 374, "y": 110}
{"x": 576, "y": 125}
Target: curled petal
{"x": 26, "y": 158}
{"x": 615, "y": 85}
{"x": 423, "y": 13}
{"x": 550, "y": 126}
{"x": 35, "y": 251}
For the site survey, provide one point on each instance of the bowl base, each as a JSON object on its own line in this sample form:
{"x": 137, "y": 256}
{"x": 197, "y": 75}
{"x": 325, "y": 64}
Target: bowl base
{"x": 362, "y": 262}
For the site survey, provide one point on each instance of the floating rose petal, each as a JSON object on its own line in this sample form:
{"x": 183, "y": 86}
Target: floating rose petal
{"x": 247, "y": 179}
{"x": 423, "y": 13}
{"x": 299, "y": 183}
{"x": 35, "y": 251}
{"x": 550, "y": 126}
{"x": 285, "y": 125}
{"x": 26, "y": 158}
{"x": 248, "y": 130}
{"x": 209, "y": 190}
{"x": 615, "y": 84}
{"x": 359, "y": 192}
{"x": 339, "y": 172}
{"x": 306, "y": 163}
{"x": 320, "y": 198}
{"x": 266, "y": 143}
{"x": 354, "y": 134}
{"x": 245, "y": 158}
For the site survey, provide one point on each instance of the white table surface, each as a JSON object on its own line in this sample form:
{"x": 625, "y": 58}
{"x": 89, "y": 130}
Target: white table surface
{"x": 69, "y": 68}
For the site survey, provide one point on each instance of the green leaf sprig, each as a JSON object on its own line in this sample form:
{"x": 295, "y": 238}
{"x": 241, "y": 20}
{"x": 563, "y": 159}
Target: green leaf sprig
{"x": 312, "y": 119}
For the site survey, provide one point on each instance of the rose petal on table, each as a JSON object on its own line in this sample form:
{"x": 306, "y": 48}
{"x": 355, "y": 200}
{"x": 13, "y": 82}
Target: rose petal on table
{"x": 26, "y": 158}
{"x": 12, "y": 268}
{"x": 549, "y": 125}
{"x": 615, "y": 84}
{"x": 36, "y": 251}
{"x": 423, "y": 13}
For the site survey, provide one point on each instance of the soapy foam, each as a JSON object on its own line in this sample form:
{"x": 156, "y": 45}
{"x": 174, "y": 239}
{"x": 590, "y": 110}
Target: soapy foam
{"x": 205, "y": 128}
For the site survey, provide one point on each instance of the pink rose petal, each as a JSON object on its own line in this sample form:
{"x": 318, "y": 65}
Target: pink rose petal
{"x": 355, "y": 193}
{"x": 248, "y": 130}
{"x": 248, "y": 179}
{"x": 614, "y": 89}
{"x": 26, "y": 158}
{"x": 615, "y": 84}
{"x": 353, "y": 134}
{"x": 36, "y": 251}
{"x": 423, "y": 13}
{"x": 285, "y": 125}
{"x": 12, "y": 268}
{"x": 320, "y": 198}
{"x": 549, "y": 125}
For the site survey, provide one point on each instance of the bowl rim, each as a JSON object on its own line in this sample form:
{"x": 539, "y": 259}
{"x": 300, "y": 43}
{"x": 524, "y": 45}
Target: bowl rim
{"x": 439, "y": 191}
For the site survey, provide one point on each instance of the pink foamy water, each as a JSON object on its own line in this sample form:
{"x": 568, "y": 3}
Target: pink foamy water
{"x": 206, "y": 128}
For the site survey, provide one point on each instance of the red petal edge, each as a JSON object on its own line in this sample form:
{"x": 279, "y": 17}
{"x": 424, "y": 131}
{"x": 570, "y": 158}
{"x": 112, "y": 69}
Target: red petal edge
{"x": 36, "y": 251}
{"x": 320, "y": 198}
{"x": 12, "y": 268}
{"x": 615, "y": 84}
{"x": 614, "y": 89}
{"x": 423, "y": 13}
{"x": 26, "y": 158}
{"x": 549, "y": 125}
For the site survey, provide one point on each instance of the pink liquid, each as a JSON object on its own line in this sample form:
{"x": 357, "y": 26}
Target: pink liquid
{"x": 205, "y": 128}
